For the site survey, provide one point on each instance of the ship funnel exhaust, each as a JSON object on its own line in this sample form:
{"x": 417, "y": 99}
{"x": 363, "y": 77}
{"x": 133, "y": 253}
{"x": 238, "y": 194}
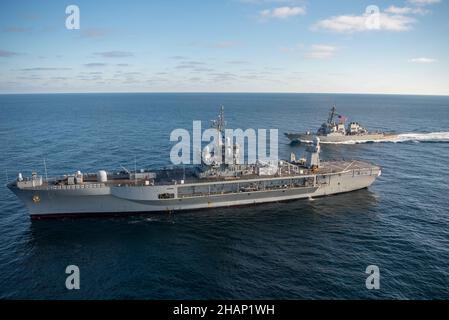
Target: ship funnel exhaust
{"x": 313, "y": 154}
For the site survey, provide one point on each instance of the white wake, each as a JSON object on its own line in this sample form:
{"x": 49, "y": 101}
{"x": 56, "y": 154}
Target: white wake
{"x": 404, "y": 137}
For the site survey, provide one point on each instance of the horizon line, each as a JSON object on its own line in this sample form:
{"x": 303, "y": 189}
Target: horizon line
{"x": 224, "y": 92}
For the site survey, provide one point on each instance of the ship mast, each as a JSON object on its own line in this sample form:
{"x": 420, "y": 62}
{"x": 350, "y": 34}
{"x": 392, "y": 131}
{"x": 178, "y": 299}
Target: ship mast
{"x": 332, "y": 114}
{"x": 220, "y": 123}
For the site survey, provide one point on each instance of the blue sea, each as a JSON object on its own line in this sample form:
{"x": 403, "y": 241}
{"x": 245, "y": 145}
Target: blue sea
{"x": 306, "y": 249}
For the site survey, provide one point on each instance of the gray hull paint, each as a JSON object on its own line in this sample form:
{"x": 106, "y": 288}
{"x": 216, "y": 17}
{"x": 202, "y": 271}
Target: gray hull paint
{"x": 143, "y": 199}
{"x": 297, "y": 137}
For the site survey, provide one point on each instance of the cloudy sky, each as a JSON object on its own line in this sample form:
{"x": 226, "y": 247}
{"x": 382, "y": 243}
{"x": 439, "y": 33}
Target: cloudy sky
{"x": 226, "y": 46}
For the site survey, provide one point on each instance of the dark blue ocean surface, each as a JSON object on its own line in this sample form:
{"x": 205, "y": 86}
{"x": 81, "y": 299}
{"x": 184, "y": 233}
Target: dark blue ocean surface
{"x": 303, "y": 249}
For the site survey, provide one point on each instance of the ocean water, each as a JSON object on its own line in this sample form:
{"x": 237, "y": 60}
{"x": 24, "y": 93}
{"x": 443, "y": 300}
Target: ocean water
{"x": 306, "y": 249}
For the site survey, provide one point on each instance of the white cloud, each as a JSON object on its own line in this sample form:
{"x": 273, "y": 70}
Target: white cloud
{"x": 315, "y": 51}
{"x": 423, "y": 2}
{"x": 282, "y": 12}
{"x": 364, "y": 22}
{"x": 391, "y": 19}
{"x": 320, "y": 51}
{"x": 226, "y": 44}
{"x": 6, "y": 53}
{"x": 406, "y": 10}
{"x": 423, "y": 60}
{"x": 114, "y": 54}
{"x": 279, "y": 2}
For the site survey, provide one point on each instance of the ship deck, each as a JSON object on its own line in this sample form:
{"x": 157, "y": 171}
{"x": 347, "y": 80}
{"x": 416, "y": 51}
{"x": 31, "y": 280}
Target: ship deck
{"x": 327, "y": 167}
{"x": 171, "y": 176}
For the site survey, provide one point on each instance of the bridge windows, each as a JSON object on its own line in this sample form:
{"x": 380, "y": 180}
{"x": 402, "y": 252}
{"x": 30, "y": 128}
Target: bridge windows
{"x": 166, "y": 196}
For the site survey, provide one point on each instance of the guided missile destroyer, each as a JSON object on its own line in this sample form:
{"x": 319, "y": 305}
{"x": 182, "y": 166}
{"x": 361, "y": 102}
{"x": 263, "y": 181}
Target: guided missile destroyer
{"x": 334, "y": 131}
{"x": 212, "y": 185}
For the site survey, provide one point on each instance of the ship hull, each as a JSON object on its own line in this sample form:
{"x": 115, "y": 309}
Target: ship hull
{"x": 370, "y": 137}
{"x": 134, "y": 200}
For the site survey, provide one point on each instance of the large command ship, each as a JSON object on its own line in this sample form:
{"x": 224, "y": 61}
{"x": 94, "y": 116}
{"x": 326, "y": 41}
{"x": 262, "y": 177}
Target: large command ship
{"x": 208, "y": 185}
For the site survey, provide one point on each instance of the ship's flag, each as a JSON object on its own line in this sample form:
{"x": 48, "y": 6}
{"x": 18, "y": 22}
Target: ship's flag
{"x": 342, "y": 118}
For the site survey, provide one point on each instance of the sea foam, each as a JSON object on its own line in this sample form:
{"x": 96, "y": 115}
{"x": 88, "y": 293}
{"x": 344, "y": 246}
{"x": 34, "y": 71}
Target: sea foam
{"x": 404, "y": 137}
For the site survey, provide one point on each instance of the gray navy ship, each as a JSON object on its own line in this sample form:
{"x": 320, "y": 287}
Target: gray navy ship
{"x": 212, "y": 185}
{"x": 334, "y": 131}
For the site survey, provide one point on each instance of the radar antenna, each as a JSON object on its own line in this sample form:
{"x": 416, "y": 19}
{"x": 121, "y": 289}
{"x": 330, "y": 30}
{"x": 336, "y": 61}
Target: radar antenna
{"x": 126, "y": 170}
{"x": 135, "y": 170}
{"x": 220, "y": 123}
{"x": 45, "y": 169}
{"x": 332, "y": 114}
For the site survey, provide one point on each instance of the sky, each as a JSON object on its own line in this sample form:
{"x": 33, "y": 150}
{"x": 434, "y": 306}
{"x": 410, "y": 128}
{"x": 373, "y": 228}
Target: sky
{"x": 314, "y": 46}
